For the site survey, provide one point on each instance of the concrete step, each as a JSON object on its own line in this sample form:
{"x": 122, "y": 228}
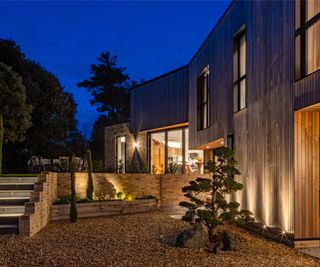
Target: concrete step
{"x": 16, "y": 201}
{"x": 9, "y": 229}
{"x": 9, "y": 220}
{"x": 11, "y": 210}
{"x": 15, "y": 193}
{"x": 16, "y": 187}
{"x": 18, "y": 180}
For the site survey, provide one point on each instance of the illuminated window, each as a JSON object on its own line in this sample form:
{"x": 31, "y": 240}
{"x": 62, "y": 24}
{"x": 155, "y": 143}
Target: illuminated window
{"x": 175, "y": 146}
{"x": 157, "y": 150}
{"x": 203, "y": 113}
{"x": 307, "y": 50}
{"x": 121, "y": 154}
{"x": 170, "y": 153}
{"x": 193, "y": 158}
{"x": 239, "y": 72}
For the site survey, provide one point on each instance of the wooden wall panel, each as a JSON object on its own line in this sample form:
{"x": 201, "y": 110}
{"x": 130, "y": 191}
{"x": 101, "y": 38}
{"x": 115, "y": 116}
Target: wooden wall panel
{"x": 160, "y": 102}
{"x": 307, "y": 174}
{"x": 264, "y": 131}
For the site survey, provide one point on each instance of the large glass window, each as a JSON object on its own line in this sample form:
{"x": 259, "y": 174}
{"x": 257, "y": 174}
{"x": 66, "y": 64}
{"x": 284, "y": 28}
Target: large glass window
{"x": 157, "y": 152}
{"x": 307, "y": 37}
{"x": 175, "y": 159}
{"x": 170, "y": 153}
{"x": 203, "y": 118}
{"x": 121, "y": 154}
{"x": 193, "y": 158}
{"x": 239, "y": 72}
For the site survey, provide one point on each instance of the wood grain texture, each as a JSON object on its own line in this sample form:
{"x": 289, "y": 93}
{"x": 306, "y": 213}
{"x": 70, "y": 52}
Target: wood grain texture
{"x": 264, "y": 130}
{"x": 161, "y": 102}
{"x": 307, "y": 174}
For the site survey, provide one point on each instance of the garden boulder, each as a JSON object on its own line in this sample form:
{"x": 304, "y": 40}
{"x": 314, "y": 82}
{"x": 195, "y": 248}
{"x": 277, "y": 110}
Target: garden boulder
{"x": 230, "y": 242}
{"x": 196, "y": 237}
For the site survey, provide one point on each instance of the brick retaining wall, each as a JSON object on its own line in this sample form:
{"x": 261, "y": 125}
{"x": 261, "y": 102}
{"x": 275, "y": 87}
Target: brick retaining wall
{"x": 37, "y": 211}
{"x": 166, "y": 187}
{"x": 50, "y": 186}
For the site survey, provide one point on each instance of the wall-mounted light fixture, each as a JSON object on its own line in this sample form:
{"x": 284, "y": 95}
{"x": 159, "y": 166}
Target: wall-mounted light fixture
{"x": 135, "y": 145}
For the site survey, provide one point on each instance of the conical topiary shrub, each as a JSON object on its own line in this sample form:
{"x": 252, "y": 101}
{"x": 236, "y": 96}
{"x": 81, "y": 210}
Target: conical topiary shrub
{"x": 90, "y": 188}
{"x": 73, "y": 208}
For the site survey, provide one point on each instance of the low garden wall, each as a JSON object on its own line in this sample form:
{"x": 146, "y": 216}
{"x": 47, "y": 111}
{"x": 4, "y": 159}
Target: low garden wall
{"x": 108, "y": 208}
{"x": 165, "y": 187}
{"x": 50, "y": 186}
{"x": 37, "y": 211}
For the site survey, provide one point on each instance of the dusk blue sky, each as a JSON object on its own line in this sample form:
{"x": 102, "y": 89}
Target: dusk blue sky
{"x": 149, "y": 38}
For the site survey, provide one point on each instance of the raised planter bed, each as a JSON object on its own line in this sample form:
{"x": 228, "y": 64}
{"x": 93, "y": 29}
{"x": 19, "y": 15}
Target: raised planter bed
{"x": 107, "y": 208}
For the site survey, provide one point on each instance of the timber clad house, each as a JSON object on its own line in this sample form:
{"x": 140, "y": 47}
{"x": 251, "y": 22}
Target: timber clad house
{"x": 253, "y": 85}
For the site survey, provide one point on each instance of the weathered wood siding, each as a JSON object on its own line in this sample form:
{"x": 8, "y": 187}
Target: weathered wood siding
{"x": 160, "y": 102}
{"x": 307, "y": 174}
{"x": 264, "y": 130}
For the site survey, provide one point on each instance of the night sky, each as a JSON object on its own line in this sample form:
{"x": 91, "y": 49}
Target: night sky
{"x": 149, "y": 38}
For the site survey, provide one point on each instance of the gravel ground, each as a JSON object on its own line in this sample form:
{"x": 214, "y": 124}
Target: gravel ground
{"x": 135, "y": 240}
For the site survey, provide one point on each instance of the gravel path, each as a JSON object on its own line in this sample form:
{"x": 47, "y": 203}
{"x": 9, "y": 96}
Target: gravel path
{"x": 135, "y": 240}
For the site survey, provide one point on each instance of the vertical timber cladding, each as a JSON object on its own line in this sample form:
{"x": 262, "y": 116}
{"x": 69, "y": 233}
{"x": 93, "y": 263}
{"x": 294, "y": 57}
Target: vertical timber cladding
{"x": 160, "y": 102}
{"x": 264, "y": 132}
{"x": 307, "y": 175}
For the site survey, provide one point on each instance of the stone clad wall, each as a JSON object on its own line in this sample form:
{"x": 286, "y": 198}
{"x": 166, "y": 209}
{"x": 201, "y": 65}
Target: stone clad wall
{"x": 136, "y": 158}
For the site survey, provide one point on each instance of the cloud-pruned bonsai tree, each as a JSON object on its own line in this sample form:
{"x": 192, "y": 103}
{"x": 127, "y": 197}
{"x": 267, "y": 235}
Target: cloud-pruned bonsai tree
{"x": 207, "y": 197}
{"x": 15, "y": 113}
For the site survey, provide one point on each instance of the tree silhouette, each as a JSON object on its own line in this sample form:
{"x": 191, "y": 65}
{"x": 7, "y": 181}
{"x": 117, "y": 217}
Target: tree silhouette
{"x": 15, "y": 113}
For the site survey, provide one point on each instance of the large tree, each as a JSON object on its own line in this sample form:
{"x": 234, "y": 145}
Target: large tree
{"x": 53, "y": 115}
{"x": 15, "y": 116}
{"x": 109, "y": 86}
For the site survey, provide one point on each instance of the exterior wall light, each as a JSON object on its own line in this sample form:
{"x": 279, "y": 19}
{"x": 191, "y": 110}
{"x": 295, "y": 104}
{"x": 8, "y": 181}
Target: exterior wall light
{"x": 135, "y": 145}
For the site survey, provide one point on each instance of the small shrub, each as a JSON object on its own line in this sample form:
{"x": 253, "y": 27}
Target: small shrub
{"x": 121, "y": 195}
{"x": 172, "y": 168}
{"x": 63, "y": 200}
{"x": 98, "y": 166}
{"x": 100, "y": 195}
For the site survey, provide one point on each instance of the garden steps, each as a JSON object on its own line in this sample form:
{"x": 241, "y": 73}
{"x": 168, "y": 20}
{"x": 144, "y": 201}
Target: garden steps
{"x": 14, "y": 193}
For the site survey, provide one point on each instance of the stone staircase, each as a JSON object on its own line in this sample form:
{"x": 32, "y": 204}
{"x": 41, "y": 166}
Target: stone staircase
{"x": 14, "y": 193}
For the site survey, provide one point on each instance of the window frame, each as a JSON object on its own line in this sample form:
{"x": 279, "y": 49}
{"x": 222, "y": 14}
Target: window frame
{"x": 166, "y": 131}
{"x": 203, "y": 105}
{"x": 236, "y": 47}
{"x": 125, "y": 153}
{"x": 301, "y": 32}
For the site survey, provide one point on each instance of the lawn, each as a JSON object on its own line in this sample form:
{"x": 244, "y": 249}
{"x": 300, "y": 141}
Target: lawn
{"x": 135, "y": 240}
